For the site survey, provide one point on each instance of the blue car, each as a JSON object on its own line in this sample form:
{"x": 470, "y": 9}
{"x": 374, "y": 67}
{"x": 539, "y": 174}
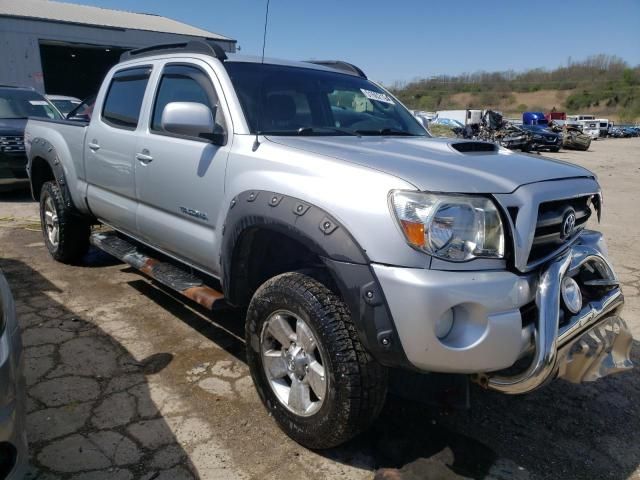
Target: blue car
{"x": 448, "y": 122}
{"x": 16, "y": 104}
{"x": 542, "y": 138}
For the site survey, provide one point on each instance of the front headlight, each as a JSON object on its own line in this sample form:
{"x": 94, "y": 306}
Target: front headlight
{"x": 451, "y": 227}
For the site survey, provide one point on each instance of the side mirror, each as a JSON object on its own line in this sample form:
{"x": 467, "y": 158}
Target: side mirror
{"x": 78, "y": 118}
{"x": 193, "y": 120}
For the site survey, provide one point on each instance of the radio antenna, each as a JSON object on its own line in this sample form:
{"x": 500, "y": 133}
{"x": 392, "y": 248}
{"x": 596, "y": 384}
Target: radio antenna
{"x": 256, "y": 143}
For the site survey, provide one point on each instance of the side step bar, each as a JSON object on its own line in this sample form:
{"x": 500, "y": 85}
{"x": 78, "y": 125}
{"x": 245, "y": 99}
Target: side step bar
{"x": 166, "y": 273}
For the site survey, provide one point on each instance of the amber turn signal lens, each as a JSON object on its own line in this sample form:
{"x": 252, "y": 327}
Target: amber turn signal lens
{"x": 414, "y": 232}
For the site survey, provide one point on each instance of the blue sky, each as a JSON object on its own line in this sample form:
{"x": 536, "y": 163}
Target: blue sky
{"x": 407, "y": 39}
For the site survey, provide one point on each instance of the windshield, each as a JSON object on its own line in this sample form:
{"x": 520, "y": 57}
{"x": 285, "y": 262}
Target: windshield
{"x": 65, "y": 106}
{"x": 283, "y": 100}
{"x": 15, "y": 103}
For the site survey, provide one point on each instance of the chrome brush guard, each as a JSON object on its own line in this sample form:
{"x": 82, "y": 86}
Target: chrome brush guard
{"x": 593, "y": 343}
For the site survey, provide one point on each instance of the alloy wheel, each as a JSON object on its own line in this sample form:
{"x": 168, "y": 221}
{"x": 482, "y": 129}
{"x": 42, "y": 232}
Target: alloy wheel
{"x": 293, "y": 362}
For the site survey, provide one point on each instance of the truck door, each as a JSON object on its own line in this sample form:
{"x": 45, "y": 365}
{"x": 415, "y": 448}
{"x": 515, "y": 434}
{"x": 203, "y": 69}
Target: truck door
{"x": 180, "y": 178}
{"x": 110, "y": 149}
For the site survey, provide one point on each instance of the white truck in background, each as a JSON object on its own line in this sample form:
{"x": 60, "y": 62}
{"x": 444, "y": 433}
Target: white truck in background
{"x": 465, "y": 117}
{"x": 579, "y": 118}
{"x": 591, "y": 128}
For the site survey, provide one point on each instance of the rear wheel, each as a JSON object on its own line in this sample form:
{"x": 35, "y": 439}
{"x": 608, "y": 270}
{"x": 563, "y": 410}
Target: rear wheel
{"x": 307, "y": 362}
{"x": 66, "y": 235}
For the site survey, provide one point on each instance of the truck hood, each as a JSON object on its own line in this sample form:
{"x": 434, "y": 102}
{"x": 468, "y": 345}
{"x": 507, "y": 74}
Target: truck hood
{"x": 434, "y": 165}
{"x": 12, "y": 126}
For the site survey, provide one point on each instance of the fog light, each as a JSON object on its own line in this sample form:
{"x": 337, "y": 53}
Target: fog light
{"x": 444, "y": 324}
{"x": 571, "y": 295}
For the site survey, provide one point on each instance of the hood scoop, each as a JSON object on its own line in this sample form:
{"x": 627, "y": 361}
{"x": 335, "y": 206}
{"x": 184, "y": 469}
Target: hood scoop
{"x": 469, "y": 147}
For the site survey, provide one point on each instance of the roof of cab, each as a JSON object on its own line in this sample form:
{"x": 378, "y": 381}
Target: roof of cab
{"x": 211, "y": 49}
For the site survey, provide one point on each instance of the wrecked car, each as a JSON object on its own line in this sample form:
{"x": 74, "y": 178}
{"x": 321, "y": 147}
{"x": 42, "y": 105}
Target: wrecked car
{"x": 574, "y": 139}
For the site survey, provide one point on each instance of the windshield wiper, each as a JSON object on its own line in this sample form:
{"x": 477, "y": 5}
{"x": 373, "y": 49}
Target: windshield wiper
{"x": 388, "y": 131}
{"x": 308, "y": 131}
{"x": 312, "y": 130}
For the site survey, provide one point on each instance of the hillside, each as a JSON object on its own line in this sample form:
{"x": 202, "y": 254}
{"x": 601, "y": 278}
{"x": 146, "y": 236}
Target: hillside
{"x": 604, "y": 85}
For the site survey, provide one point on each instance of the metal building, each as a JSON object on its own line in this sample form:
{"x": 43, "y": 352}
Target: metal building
{"x": 66, "y": 49}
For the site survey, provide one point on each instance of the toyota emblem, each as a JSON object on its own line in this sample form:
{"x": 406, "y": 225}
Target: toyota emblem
{"x": 568, "y": 224}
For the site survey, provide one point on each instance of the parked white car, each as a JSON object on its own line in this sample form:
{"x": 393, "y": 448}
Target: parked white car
{"x": 64, "y": 103}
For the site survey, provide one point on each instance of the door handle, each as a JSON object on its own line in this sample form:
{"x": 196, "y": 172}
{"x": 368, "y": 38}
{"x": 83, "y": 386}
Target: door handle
{"x": 94, "y": 145}
{"x": 144, "y": 157}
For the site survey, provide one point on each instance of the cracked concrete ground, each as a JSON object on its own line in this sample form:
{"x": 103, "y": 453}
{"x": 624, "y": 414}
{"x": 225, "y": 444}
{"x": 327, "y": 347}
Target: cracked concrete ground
{"x": 126, "y": 381}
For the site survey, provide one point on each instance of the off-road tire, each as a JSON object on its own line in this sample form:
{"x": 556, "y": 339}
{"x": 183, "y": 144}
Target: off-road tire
{"x": 74, "y": 231}
{"x": 555, "y": 149}
{"x": 357, "y": 384}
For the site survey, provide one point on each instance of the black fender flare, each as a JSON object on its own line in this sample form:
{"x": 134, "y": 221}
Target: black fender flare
{"x": 323, "y": 235}
{"x": 41, "y": 148}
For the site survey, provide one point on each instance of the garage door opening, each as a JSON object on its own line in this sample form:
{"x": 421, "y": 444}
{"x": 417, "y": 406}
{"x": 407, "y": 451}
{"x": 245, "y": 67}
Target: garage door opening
{"x": 74, "y": 69}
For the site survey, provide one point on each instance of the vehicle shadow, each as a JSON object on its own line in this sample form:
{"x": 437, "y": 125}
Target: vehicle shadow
{"x": 16, "y": 196}
{"x": 224, "y": 327}
{"x": 93, "y": 408}
{"x": 561, "y": 431}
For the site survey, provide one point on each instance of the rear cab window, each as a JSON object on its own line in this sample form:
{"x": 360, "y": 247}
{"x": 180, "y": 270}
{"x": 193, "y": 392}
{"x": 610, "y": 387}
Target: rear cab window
{"x": 123, "y": 102}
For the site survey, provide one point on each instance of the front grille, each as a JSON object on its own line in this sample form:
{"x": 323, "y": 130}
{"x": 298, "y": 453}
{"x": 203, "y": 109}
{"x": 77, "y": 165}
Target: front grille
{"x": 11, "y": 144}
{"x": 550, "y": 235}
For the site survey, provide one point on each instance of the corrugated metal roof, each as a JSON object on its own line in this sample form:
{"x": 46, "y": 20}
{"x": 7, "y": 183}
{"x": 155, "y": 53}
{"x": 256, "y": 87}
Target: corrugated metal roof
{"x": 84, "y": 14}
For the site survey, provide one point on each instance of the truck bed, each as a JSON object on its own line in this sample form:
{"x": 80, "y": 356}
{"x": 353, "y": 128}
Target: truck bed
{"x": 67, "y": 138}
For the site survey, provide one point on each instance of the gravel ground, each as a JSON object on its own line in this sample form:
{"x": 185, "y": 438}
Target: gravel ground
{"x": 128, "y": 381}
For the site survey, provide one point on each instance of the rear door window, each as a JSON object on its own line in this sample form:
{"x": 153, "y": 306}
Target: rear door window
{"x": 124, "y": 99}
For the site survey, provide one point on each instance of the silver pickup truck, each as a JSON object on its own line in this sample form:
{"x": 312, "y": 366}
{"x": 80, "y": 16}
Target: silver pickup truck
{"x": 311, "y": 199}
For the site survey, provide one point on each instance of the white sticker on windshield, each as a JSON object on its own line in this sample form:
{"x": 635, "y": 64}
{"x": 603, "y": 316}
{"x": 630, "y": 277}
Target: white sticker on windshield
{"x": 380, "y": 97}
{"x": 38, "y": 102}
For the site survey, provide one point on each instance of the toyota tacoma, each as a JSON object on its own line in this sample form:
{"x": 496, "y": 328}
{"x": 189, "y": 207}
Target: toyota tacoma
{"x": 354, "y": 245}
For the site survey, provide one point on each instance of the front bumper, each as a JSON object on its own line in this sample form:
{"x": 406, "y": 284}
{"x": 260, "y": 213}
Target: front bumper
{"x": 542, "y": 145}
{"x": 591, "y": 344}
{"x": 490, "y": 332}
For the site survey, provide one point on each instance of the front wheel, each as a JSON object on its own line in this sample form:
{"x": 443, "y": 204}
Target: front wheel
{"x": 308, "y": 365}
{"x": 66, "y": 235}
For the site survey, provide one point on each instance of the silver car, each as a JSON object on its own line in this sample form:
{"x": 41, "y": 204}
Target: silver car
{"x": 13, "y": 437}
